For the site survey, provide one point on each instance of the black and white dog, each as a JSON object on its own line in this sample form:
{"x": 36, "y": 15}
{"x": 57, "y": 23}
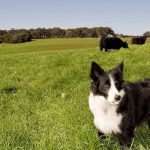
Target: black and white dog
{"x": 118, "y": 108}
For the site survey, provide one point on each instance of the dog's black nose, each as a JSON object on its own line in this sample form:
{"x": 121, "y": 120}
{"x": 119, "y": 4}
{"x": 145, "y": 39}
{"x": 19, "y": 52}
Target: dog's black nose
{"x": 117, "y": 97}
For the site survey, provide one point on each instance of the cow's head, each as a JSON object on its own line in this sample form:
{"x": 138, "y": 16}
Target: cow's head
{"x": 125, "y": 45}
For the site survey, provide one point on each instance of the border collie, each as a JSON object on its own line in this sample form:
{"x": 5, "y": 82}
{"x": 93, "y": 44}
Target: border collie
{"x": 118, "y": 108}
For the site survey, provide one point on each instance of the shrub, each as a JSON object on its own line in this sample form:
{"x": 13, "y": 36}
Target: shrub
{"x": 16, "y": 38}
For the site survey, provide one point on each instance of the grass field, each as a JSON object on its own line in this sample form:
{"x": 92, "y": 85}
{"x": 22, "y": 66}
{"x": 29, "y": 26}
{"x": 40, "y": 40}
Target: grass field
{"x": 44, "y": 87}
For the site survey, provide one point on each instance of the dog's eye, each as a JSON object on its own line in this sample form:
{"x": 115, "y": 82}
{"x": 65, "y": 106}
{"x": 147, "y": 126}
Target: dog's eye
{"x": 117, "y": 84}
{"x": 107, "y": 84}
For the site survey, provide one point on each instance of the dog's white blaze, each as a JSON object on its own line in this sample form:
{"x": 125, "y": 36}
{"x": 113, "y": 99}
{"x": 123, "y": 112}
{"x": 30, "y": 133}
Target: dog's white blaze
{"x": 105, "y": 117}
{"x": 112, "y": 91}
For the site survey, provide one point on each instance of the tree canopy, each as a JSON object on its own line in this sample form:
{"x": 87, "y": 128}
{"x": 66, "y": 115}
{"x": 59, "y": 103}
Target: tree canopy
{"x": 24, "y": 35}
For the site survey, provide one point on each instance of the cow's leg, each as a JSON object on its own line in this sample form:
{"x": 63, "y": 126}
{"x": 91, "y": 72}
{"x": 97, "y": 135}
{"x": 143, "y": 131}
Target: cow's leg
{"x": 106, "y": 50}
{"x": 101, "y": 47}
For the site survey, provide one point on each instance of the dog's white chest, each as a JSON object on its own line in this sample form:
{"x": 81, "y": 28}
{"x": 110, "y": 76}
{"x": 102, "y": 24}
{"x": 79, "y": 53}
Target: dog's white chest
{"x": 105, "y": 117}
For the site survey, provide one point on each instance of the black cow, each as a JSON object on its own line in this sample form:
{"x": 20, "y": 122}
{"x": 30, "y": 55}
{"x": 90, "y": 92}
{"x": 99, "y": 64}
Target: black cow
{"x": 138, "y": 40}
{"x": 111, "y": 43}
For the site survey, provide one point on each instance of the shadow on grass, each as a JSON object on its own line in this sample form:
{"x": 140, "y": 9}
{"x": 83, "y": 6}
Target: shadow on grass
{"x": 9, "y": 90}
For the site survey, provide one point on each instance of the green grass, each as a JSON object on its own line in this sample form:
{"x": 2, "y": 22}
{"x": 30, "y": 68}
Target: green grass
{"x": 44, "y": 87}
{"x": 48, "y": 45}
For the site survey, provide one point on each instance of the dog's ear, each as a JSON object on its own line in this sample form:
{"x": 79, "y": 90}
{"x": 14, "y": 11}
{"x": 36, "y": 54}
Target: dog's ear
{"x": 119, "y": 68}
{"x": 96, "y": 71}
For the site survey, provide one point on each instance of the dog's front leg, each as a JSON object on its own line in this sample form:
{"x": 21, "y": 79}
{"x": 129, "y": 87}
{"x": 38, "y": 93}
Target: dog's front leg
{"x": 148, "y": 122}
{"x": 125, "y": 139}
{"x": 101, "y": 135}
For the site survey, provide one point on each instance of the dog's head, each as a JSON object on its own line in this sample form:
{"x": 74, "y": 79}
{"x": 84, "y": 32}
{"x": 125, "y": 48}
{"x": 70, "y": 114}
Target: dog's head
{"x": 108, "y": 84}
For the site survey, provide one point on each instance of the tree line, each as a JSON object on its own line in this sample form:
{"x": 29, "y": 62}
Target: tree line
{"x": 24, "y": 35}
{"x": 15, "y": 36}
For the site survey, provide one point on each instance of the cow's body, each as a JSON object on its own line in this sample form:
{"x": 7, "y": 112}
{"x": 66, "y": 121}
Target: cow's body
{"x": 138, "y": 40}
{"x": 111, "y": 43}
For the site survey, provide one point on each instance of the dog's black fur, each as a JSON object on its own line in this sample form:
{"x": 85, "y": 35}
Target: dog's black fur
{"x": 134, "y": 107}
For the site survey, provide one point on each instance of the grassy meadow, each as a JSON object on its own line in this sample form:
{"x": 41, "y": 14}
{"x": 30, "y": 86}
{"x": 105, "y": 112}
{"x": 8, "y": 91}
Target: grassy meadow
{"x": 44, "y": 87}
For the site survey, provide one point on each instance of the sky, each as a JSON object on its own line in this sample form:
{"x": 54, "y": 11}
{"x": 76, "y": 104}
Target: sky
{"x": 131, "y": 17}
